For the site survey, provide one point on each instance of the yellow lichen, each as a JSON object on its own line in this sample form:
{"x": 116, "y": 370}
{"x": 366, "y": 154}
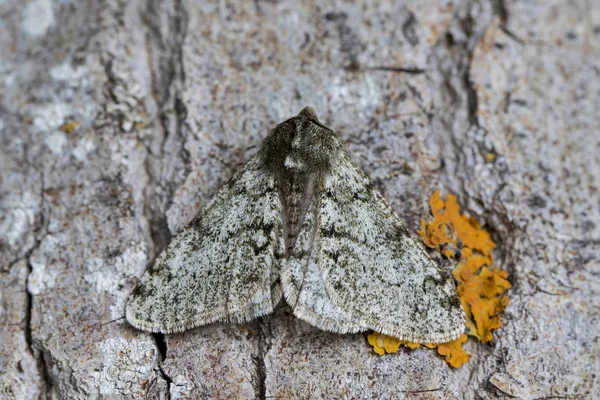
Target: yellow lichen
{"x": 69, "y": 127}
{"x": 480, "y": 289}
{"x": 376, "y": 341}
{"x": 490, "y": 157}
{"x": 449, "y": 227}
{"x": 453, "y": 352}
{"x": 481, "y": 298}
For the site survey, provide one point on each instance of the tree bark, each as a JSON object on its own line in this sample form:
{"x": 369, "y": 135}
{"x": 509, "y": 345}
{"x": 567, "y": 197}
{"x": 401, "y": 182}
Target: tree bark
{"x": 120, "y": 119}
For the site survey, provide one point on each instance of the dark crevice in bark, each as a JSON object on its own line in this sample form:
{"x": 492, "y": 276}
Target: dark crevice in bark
{"x": 36, "y": 352}
{"x": 162, "y": 347}
{"x": 112, "y": 321}
{"x": 42, "y": 365}
{"x": 112, "y": 82}
{"x": 168, "y": 380}
{"x": 405, "y": 70}
{"x": 500, "y": 10}
{"x": 472, "y": 100}
{"x": 468, "y": 26}
{"x": 28, "y": 308}
{"x": 263, "y": 346}
{"x": 420, "y": 391}
{"x": 27, "y": 331}
{"x": 26, "y": 327}
{"x": 511, "y": 35}
{"x": 39, "y": 231}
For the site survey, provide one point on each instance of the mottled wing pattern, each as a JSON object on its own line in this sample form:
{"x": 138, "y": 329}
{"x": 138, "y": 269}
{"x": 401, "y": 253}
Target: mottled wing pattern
{"x": 303, "y": 285}
{"x": 222, "y": 267}
{"x": 372, "y": 267}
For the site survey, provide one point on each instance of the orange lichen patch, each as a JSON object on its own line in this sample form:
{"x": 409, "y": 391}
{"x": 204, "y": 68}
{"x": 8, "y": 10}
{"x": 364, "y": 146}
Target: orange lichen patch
{"x": 452, "y": 351}
{"x": 469, "y": 267}
{"x": 69, "y": 127}
{"x": 450, "y": 228}
{"x": 411, "y": 345}
{"x": 481, "y": 298}
{"x": 376, "y": 341}
{"x": 480, "y": 287}
{"x": 383, "y": 343}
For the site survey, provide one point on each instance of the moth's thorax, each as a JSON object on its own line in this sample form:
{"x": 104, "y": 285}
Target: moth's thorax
{"x": 300, "y": 145}
{"x": 299, "y": 152}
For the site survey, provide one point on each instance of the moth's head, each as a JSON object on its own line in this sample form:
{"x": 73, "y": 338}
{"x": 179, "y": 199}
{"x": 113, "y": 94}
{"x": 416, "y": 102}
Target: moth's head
{"x": 301, "y": 144}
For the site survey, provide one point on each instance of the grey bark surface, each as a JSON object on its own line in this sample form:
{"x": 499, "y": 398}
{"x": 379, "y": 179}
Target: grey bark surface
{"x": 172, "y": 96}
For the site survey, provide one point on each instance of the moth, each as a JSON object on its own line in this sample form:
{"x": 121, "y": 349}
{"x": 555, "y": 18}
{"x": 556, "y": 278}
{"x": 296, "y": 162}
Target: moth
{"x": 301, "y": 221}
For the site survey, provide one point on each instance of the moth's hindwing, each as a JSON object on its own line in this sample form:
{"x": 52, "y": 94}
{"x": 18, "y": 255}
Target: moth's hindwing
{"x": 303, "y": 285}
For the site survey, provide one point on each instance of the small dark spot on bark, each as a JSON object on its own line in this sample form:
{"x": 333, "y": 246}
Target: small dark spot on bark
{"x": 333, "y": 16}
{"x": 588, "y": 225}
{"x": 408, "y": 29}
{"x": 352, "y": 66}
{"x": 536, "y": 201}
{"x": 378, "y": 150}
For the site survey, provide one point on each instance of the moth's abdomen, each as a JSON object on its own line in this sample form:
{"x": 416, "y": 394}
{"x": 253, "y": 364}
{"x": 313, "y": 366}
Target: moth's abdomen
{"x": 296, "y": 194}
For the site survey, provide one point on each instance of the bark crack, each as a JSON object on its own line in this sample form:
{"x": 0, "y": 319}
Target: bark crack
{"x": 42, "y": 366}
{"x": 421, "y": 391}
{"x": 162, "y": 346}
{"x": 263, "y": 346}
{"x": 40, "y": 230}
{"x": 472, "y": 98}
{"x": 405, "y": 70}
{"x": 499, "y": 7}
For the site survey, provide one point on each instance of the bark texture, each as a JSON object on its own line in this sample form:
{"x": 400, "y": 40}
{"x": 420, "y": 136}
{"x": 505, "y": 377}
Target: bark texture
{"x": 170, "y": 97}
